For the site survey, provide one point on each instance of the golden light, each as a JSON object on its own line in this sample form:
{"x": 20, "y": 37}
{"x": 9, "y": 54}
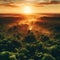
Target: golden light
{"x": 30, "y": 27}
{"x": 27, "y": 9}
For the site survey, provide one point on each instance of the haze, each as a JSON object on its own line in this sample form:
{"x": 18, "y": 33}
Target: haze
{"x": 44, "y": 7}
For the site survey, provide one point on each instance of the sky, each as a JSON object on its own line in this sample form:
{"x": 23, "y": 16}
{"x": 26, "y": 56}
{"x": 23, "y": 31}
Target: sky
{"x": 16, "y": 8}
{"x": 29, "y": 0}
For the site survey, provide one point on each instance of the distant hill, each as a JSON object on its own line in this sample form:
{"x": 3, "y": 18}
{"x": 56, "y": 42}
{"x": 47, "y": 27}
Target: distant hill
{"x": 50, "y": 18}
{"x": 10, "y": 18}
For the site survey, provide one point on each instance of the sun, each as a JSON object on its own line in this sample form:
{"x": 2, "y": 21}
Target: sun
{"x": 27, "y": 10}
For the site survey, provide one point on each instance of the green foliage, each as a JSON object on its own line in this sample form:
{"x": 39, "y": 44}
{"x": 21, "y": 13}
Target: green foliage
{"x": 9, "y": 45}
{"x": 48, "y": 57}
{"x": 5, "y": 55}
{"x": 16, "y": 46}
{"x": 38, "y": 55}
{"x": 30, "y": 38}
{"x": 55, "y": 51}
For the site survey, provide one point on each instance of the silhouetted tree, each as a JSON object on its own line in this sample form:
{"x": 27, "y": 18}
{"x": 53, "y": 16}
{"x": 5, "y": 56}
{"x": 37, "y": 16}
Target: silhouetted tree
{"x": 30, "y": 37}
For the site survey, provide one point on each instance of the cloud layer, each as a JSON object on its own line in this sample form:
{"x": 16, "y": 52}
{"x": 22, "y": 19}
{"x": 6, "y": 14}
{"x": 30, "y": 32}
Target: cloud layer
{"x": 29, "y": 0}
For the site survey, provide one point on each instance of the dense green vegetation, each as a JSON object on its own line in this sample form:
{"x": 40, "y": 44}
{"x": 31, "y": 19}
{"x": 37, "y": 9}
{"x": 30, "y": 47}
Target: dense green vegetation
{"x": 16, "y": 46}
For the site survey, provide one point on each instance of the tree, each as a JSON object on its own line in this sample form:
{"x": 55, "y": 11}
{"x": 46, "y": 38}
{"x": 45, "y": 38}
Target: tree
{"x": 48, "y": 57}
{"x": 55, "y": 51}
{"x": 30, "y": 38}
{"x": 44, "y": 38}
{"x": 5, "y": 55}
{"x": 9, "y": 45}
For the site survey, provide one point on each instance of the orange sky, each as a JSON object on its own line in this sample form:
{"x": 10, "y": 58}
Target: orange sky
{"x": 36, "y": 8}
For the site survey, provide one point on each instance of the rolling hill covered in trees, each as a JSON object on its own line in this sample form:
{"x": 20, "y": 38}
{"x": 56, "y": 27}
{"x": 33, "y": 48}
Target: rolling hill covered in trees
{"x": 23, "y": 44}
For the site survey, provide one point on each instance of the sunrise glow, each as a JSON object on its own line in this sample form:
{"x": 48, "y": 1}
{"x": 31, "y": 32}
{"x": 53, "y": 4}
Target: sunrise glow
{"x": 27, "y": 10}
{"x": 30, "y": 27}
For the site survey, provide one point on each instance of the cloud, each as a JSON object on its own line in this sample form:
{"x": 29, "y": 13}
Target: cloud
{"x": 38, "y": 1}
{"x": 8, "y": 5}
